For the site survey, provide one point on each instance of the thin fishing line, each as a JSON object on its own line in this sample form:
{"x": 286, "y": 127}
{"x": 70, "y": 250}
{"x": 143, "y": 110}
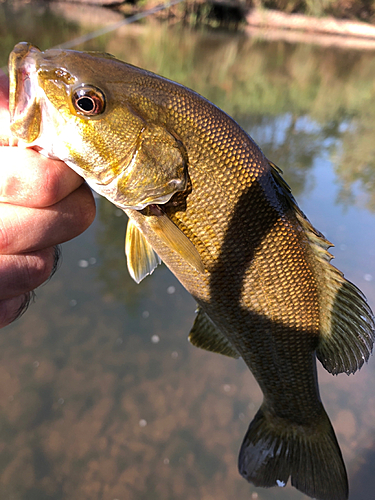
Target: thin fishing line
{"x": 113, "y": 27}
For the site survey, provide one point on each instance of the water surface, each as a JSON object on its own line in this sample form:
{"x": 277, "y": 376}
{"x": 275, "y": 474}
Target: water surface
{"x": 101, "y": 395}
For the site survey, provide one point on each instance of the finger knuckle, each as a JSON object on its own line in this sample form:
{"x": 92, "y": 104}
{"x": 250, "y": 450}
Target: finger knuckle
{"x": 39, "y": 267}
{"x": 5, "y": 240}
{"x": 86, "y": 209}
{"x": 50, "y": 188}
{"x": 13, "y": 308}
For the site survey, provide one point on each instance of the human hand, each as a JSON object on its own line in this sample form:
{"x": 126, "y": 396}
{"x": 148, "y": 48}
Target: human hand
{"x": 42, "y": 203}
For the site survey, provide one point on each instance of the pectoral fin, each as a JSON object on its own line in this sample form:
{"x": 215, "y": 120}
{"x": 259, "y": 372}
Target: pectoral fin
{"x": 205, "y": 335}
{"x": 175, "y": 239}
{"x": 141, "y": 257}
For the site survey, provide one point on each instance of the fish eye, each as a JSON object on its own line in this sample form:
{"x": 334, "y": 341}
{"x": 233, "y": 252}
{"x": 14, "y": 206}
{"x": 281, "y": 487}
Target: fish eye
{"x": 88, "y": 101}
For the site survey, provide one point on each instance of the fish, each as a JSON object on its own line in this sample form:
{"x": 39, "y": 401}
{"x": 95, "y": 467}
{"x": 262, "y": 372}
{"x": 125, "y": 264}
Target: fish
{"x": 202, "y": 197}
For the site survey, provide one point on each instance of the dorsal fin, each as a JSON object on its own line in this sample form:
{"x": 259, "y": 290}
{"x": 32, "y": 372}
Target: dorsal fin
{"x": 140, "y": 256}
{"x": 347, "y": 324}
{"x": 205, "y": 335}
{"x": 346, "y": 321}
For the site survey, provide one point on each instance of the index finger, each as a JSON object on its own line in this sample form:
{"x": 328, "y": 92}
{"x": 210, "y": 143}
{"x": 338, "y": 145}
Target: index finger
{"x": 29, "y": 179}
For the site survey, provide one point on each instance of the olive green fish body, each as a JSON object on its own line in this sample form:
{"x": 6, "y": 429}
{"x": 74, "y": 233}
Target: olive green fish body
{"x": 202, "y": 197}
{"x": 251, "y": 245}
{"x": 247, "y": 268}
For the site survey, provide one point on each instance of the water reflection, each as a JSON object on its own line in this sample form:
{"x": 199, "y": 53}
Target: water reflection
{"x": 101, "y": 395}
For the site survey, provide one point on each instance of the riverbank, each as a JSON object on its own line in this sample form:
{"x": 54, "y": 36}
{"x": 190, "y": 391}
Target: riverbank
{"x": 354, "y": 19}
{"x": 242, "y": 15}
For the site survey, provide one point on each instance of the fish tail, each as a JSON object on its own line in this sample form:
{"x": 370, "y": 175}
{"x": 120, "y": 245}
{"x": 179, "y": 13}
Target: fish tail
{"x": 273, "y": 451}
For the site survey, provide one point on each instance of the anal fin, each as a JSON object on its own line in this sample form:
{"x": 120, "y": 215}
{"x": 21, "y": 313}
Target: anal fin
{"x": 140, "y": 256}
{"x": 205, "y": 335}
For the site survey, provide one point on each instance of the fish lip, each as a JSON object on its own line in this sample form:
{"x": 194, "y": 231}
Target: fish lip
{"x": 23, "y": 90}
{"x": 21, "y": 64}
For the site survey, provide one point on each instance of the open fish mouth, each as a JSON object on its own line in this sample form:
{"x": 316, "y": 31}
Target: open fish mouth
{"x": 23, "y": 104}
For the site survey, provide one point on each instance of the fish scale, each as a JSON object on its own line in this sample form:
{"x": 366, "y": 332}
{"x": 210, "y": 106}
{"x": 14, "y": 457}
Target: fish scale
{"x": 202, "y": 197}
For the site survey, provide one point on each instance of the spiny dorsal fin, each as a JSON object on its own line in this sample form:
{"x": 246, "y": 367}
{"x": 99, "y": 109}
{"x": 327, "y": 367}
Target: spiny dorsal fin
{"x": 205, "y": 335}
{"x": 140, "y": 256}
{"x": 176, "y": 240}
{"x": 347, "y": 324}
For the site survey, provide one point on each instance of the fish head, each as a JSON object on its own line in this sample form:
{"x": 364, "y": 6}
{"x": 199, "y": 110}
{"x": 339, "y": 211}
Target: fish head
{"x": 83, "y": 108}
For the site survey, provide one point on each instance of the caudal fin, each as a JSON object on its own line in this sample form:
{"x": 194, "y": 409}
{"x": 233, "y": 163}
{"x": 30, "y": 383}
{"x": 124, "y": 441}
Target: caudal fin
{"x": 272, "y": 452}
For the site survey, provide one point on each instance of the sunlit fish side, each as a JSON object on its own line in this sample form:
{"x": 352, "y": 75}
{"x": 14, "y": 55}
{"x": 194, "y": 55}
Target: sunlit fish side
{"x": 201, "y": 197}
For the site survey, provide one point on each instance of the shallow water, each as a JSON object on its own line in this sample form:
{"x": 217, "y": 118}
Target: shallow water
{"x": 101, "y": 395}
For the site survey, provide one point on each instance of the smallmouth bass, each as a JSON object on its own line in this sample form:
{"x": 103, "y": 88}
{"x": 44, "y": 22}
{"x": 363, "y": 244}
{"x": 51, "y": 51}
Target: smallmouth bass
{"x": 201, "y": 196}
